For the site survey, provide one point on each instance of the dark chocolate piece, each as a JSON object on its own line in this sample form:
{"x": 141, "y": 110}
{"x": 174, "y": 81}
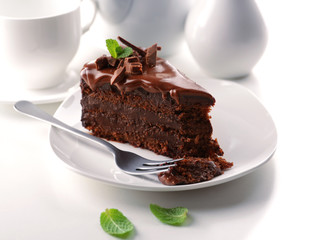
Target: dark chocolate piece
{"x": 119, "y": 75}
{"x": 136, "y": 54}
{"x": 133, "y": 68}
{"x": 113, "y": 62}
{"x": 121, "y": 63}
{"x": 135, "y": 48}
{"x": 131, "y": 59}
{"x": 151, "y": 55}
{"x": 102, "y": 62}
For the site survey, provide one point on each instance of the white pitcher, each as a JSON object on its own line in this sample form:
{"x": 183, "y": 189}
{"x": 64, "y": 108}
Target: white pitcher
{"x": 226, "y": 37}
{"x": 145, "y": 22}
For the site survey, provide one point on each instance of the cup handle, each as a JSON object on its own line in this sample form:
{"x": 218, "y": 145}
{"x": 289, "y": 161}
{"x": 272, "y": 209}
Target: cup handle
{"x": 87, "y": 26}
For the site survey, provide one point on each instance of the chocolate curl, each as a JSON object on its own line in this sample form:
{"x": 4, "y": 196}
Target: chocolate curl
{"x": 134, "y": 68}
{"x": 151, "y": 55}
{"x": 139, "y": 50}
{"x": 113, "y": 62}
{"x": 119, "y": 75}
{"x": 121, "y": 63}
{"x": 131, "y": 59}
{"x": 102, "y": 62}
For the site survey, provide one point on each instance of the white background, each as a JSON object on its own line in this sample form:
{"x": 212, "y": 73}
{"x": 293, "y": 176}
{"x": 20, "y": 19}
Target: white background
{"x": 41, "y": 199}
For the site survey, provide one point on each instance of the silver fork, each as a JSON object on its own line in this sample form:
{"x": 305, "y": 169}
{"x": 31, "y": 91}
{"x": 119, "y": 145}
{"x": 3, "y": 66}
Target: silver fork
{"x": 129, "y": 162}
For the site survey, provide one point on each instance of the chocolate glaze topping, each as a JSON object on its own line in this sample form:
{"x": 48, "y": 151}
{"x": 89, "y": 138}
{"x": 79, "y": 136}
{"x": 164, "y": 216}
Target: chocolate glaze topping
{"x": 162, "y": 78}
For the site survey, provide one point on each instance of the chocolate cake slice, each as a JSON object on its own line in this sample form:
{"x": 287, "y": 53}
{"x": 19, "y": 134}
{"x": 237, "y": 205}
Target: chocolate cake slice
{"x": 143, "y": 100}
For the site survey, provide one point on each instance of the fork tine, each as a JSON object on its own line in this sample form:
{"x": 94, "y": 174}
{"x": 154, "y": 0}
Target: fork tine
{"x": 142, "y": 172}
{"x": 159, "y": 163}
{"x": 154, "y": 167}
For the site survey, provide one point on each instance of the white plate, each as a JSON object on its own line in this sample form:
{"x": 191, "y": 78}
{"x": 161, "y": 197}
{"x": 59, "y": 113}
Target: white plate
{"x": 242, "y": 125}
{"x": 49, "y": 95}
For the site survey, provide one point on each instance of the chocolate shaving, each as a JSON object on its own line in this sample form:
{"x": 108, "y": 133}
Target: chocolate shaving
{"x": 132, "y": 65}
{"x": 131, "y": 59}
{"x": 151, "y": 55}
{"x": 135, "y": 53}
{"x": 139, "y": 50}
{"x": 119, "y": 75}
{"x": 102, "y": 62}
{"x": 113, "y": 62}
{"x": 134, "y": 68}
{"x": 121, "y": 63}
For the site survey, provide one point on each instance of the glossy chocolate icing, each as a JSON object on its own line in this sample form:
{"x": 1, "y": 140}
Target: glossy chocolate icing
{"x": 163, "y": 78}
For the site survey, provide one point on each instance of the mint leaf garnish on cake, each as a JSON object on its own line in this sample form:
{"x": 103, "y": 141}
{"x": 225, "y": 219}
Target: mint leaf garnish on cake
{"x": 116, "y": 50}
{"x": 115, "y": 223}
{"x": 111, "y": 46}
{"x": 172, "y": 216}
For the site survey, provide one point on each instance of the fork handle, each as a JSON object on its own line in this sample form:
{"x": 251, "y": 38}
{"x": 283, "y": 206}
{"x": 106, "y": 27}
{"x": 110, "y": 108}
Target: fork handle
{"x": 32, "y": 110}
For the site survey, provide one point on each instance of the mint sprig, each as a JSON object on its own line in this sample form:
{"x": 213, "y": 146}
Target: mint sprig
{"x": 115, "y": 223}
{"x": 116, "y": 50}
{"x": 172, "y": 216}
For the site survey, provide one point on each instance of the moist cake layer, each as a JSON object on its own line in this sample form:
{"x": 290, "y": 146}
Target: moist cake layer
{"x": 166, "y": 129}
{"x": 112, "y": 104}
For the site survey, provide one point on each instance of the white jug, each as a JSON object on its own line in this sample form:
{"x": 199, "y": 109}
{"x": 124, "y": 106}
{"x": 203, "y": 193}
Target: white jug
{"x": 145, "y": 22}
{"x": 226, "y": 37}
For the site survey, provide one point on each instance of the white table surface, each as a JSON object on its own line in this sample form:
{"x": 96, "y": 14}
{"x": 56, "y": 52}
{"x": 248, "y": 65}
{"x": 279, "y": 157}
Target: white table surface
{"x": 42, "y": 199}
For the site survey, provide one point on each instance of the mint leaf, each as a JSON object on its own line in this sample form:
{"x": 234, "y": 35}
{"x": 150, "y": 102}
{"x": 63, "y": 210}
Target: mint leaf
{"x": 115, "y": 223}
{"x": 119, "y": 50}
{"x": 127, "y": 51}
{"x": 116, "y": 50}
{"x": 172, "y": 216}
{"x": 112, "y": 46}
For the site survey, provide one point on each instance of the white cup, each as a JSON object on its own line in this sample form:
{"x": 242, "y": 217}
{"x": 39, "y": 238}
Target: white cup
{"x": 38, "y": 39}
{"x": 145, "y": 22}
